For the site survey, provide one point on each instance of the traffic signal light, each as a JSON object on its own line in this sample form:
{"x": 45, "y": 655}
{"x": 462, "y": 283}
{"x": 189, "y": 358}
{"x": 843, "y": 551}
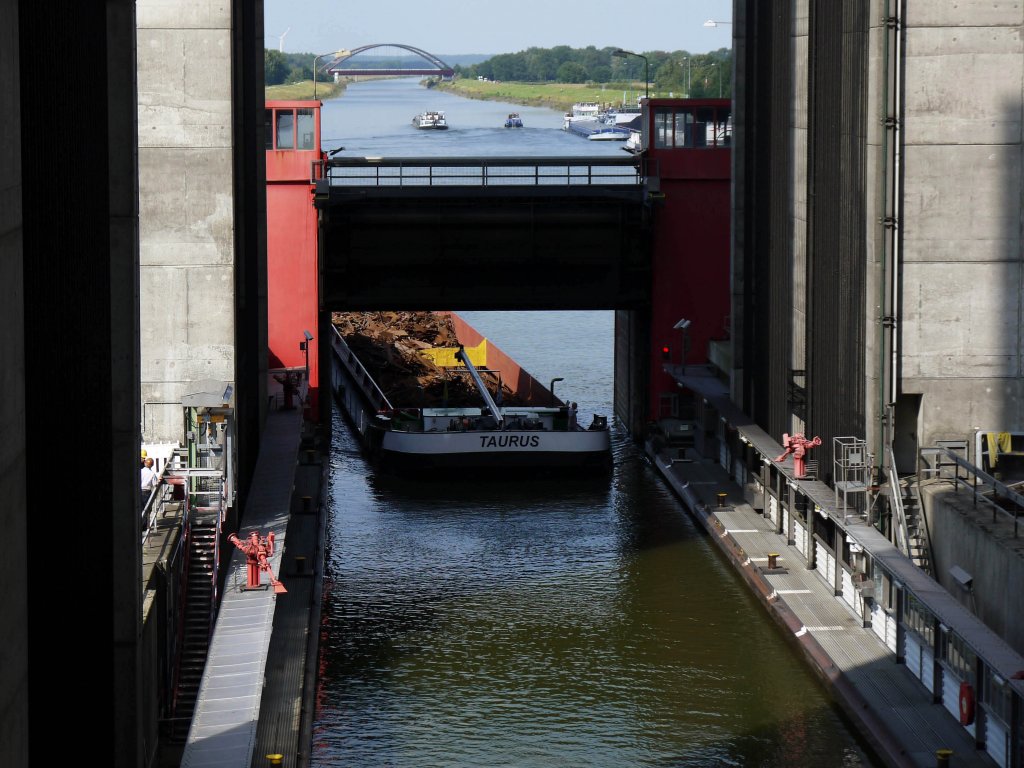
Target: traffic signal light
{"x": 665, "y": 352}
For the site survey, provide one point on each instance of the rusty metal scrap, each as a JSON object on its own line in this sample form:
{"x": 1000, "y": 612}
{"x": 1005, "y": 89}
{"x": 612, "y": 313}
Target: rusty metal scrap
{"x": 388, "y": 344}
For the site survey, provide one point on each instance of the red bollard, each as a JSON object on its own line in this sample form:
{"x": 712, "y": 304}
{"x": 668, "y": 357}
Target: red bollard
{"x": 257, "y": 550}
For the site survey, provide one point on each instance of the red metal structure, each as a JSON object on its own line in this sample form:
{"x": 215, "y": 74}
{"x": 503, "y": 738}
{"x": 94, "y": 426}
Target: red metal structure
{"x": 798, "y": 445}
{"x": 292, "y": 136}
{"x": 257, "y": 549}
{"x": 688, "y": 148}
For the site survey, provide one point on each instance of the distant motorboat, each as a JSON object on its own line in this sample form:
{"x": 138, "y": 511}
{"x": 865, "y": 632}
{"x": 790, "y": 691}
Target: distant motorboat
{"x": 513, "y": 120}
{"x": 431, "y": 120}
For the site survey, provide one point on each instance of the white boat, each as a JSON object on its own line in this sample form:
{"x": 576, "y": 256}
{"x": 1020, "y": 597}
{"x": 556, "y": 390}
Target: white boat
{"x": 581, "y": 110}
{"x": 634, "y": 143}
{"x": 620, "y": 115}
{"x": 436, "y": 441}
{"x": 513, "y": 120}
{"x": 608, "y": 133}
{"x": 431, "y": 120}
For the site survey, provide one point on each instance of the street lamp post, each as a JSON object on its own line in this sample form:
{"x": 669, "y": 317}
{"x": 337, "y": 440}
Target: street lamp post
{"x": 336, "y": 54}
{"x": 623, "y": 54}
{"x": 687, "y": 60}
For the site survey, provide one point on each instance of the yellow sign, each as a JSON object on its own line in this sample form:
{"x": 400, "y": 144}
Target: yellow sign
{"x": 444, "y": 357}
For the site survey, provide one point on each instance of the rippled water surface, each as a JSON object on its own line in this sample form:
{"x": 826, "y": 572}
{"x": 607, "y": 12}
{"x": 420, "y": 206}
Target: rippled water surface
{"x": 545, "y": 623}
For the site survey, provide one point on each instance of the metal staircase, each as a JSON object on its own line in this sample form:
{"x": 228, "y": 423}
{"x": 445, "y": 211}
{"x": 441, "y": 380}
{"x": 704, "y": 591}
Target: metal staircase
{"x": 918, "y": 538}
{"x": 199, "y": 612}
{"x": 909, "y": 525}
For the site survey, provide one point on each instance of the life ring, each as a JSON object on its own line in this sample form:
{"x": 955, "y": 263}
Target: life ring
{"x": 966, "y": 703}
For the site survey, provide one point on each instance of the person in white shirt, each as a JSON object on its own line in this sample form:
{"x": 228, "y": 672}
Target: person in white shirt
{"x": 148, "y": 481}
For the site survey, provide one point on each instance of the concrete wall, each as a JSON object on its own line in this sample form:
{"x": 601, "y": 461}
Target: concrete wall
{"x": 187, "y": 207}
{"x": 966, "y": 536}
{"x": 958, "y": 185}
{"x": 69, "y": 346}
{"x": 961, "y": 297}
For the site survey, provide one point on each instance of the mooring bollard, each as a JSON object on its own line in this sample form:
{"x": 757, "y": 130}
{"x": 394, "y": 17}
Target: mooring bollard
{"x": 773, "y": 559}
{"x": 721, "y": 499}
{"x": 300, "y": 564}
{"x": 275, "y": 759}
{"x": 307, "y": 503}
{"x": 942, "y": 757}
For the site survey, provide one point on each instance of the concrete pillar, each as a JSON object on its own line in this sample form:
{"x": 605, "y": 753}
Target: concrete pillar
{"x": 78, "y": 494}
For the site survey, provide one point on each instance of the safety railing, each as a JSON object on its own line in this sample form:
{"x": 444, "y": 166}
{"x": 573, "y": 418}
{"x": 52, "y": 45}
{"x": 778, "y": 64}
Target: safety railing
{"x": 1005, "y": 501}
{"x": 480, "y": 171}
{"x": 359, "y": 374}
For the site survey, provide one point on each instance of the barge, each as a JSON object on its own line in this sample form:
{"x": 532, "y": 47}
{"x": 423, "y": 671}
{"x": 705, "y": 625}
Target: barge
{"x": 514, "y": 426}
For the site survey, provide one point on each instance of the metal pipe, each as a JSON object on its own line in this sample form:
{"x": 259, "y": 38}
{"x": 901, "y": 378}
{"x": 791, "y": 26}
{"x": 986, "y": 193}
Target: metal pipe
{"x": 488, "y": 400}
{"x": 551, "y": 389}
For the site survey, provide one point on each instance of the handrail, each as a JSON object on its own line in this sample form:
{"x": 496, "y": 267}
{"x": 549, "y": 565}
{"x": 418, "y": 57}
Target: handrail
{"x": 482, "y": 171}
{"x": 988, "y": 483}
{"x": 348, "y": 358}
{"x": 902, "y": 533}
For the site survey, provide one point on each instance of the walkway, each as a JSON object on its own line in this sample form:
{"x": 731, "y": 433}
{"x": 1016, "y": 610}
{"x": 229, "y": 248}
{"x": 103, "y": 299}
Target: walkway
{"x": 892, "y": 707}
{"x": 257, "y": 689}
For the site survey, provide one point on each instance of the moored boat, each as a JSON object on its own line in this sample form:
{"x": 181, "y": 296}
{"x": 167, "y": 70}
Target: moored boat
{"x": 431, "y": 120}
{"x": 581, "y": 111}
{"x": 514, "y": 426}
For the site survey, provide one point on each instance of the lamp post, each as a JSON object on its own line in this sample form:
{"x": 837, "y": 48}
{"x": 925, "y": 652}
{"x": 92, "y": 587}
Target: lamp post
{"x": 687, "y": 60}
{"x": 621, "y": 54}
{"x": 336, "y": 54}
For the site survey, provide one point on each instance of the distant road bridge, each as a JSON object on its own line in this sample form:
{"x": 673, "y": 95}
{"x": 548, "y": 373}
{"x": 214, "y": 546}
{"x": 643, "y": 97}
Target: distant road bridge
{"x": 423, "y": 62}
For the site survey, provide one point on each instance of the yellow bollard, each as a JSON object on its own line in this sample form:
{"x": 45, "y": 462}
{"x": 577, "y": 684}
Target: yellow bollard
{"x": 942, "y": 757}
{"x": 275, "y": 759}
{"x": 721, "y": 499}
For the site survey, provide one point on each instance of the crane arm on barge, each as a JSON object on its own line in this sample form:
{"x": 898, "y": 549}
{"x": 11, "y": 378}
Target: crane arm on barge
{"x": 462, "y": 357}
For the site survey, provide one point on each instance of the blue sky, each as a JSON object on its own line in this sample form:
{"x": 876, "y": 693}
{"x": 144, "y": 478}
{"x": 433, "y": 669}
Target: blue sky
{"x": 484, "y": 26}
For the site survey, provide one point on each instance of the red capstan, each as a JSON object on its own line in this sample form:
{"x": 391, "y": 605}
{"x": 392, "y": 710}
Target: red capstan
{"x": 257, "y": 551}
{"x": 798, "y": 445}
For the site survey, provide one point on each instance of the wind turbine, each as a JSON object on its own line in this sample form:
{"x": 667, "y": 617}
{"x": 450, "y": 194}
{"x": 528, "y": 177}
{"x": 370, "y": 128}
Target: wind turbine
{"x": 280, "y": 40}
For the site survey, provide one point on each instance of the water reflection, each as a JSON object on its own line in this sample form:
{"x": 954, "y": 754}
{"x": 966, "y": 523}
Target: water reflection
{"x": 472, "y": 624}
{"x": 542, "y": 623}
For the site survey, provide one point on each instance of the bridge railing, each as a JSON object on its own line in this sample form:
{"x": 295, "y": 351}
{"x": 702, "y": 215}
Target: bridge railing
{"x": 480, "y": 171}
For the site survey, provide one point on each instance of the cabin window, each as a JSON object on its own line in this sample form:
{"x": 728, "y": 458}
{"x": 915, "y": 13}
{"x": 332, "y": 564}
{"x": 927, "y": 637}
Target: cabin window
{"x": 268, "y": 128}
{"x": 305, "y": 128}
{"x": 957, "y": 655}
{"x": 286, "y": 130}
{"x": 918, "y": 619}
{"x": 692, "y": 127}
{"x": 997, "y": 696}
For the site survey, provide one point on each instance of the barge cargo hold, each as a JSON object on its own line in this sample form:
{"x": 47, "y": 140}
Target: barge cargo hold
{"x": 431, "y": 426}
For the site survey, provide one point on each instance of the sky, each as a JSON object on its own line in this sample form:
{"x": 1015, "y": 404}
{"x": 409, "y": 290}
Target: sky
{"x": 487, "y": 27}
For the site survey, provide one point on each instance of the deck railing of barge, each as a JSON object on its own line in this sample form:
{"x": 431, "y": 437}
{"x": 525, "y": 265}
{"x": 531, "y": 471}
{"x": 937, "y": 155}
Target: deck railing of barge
{"x": 359, "y": 374}
{"x": 480, "y": 171}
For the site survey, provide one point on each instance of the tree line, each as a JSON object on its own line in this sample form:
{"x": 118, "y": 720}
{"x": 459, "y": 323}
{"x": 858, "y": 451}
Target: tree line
{"x": 680, "y": 72}
{"x": 696, "y": 75}
{"x": 280, "y": 68}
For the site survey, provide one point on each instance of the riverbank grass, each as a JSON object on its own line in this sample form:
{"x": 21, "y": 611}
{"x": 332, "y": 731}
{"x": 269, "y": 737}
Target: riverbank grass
{"x": 560, "y": 96}
{"x": 303, "y": 91}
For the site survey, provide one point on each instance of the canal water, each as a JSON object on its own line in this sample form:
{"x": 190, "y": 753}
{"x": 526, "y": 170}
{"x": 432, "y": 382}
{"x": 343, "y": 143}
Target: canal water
{"x": 538, "y": 622}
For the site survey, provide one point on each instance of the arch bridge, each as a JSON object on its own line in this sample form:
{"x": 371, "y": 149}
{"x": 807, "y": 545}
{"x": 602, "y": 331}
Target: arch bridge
{"x": 391, "y": 65}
